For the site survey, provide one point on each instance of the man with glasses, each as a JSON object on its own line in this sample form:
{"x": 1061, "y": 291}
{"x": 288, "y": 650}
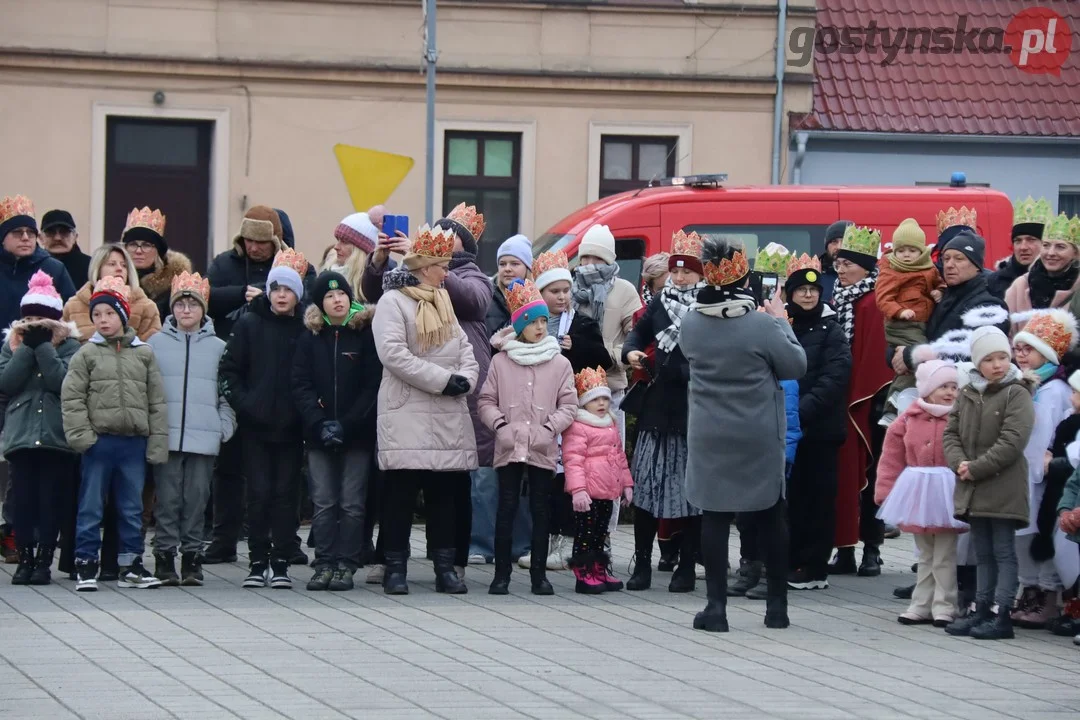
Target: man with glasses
{"x": 61, "y": 240}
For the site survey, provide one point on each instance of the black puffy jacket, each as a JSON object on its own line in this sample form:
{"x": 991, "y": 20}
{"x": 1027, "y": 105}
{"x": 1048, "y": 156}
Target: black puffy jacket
{"x": 336, "y": 376}
{"x": 823, "y": 389}
{"x": 665, "y": 405}
{"x": 229, "y": 274}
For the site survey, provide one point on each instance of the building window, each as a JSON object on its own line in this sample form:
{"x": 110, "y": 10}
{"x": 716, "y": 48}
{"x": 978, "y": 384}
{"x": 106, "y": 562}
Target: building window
{"x": 484, "y": 169}
{"x": 1069, "y": 200}
{"x": 629, "y": 162}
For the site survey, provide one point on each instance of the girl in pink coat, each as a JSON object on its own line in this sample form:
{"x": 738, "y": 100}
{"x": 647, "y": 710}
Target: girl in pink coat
{"x": 915, "y": 491}
{"x": 597, "y": 475}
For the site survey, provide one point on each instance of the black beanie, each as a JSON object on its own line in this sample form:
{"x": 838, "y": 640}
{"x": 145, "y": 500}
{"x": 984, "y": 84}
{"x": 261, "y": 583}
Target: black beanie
{"x": 866, "y": 262}
{"x": 836, "y": 231}
{"x": 327, "y": 281}
{"x": 146, "y": 234}
{"x": 468, "y": 242}
{"x": 799, "y": 278}
{"x": 968, "y": 242}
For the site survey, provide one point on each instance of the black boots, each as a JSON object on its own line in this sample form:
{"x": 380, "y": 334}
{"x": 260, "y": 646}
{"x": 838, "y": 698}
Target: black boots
{"x": 844, "y": 562}
{"x": 964, "y": 626}
{"x": 776, "y": 616}
{"x": 995, "y": 628}
{"x": 500, "y": 585}
{"x": 191, "y": 569}
{"x": 446, "y": 578}
{"x": 220, "y": 552}
{"x": 165, "y": 569}
{"x": 714, "y": 617}
{"x": 641, "y": 579}
{"x": 871, "y": 562}
{"x": 26, "y": 566}
{"x": 395, "y": 577}
{"x": 41, "y": 574}
{"x": 749, "y": 575}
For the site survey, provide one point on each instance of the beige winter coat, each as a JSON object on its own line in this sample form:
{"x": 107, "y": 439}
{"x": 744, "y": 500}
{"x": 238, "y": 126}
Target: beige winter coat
{"x": 621, "y": 305}
{"x": 419, "y": 428}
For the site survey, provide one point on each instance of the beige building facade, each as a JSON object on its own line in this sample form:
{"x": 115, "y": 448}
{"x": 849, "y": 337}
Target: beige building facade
{"x": 205, "y": 107}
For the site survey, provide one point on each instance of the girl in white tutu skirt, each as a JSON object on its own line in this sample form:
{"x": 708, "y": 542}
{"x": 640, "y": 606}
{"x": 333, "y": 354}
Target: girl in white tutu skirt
{"x": 915, "y": 491}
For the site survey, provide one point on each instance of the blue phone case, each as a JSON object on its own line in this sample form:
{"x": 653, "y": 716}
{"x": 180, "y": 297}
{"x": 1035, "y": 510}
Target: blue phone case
{"x": 389, "y": 224}
{"x": 401, "y": 222}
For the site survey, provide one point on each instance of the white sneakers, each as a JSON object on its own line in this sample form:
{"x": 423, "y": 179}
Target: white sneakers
{"x": 560, "y": 548}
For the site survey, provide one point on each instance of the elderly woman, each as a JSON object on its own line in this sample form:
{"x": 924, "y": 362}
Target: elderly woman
{"x": 113, "y": 261}
{"x": 425, "y": 435}
{"x": 736, "y": 423}
{"x": 156, "y": 264}
{"x": 1052, "y": 278}
{"x": 654, "y": 275}
{"x": 356, "y": 237}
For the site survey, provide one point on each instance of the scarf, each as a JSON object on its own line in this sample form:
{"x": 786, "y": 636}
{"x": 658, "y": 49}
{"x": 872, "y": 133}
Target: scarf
{"x": 980, "y": 383}
{"x": 845, "y": 298}
{"x": 725, "y": 302}
{"x": 435, "y": 319}
{"x": 677, "y": 302}
{"x": 935, "y": 410}
{"x": 584, "y": 416}
{"x": 1046, "y": 371}
{"x": 592, "y": 283}
{"x": 461, "y": 258}
{"x": 804, "y": 318}
{"x": 923, "y": 262}
{"x": 559, "y": 325}
{"x": 353, "y": 310}
{"x": 646, "y": 295}
{"x": 1042, "y": 285}
{"x": 526, "y": 354}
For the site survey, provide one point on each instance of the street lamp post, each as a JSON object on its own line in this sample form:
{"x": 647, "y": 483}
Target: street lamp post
{"x": 430, "y": 56}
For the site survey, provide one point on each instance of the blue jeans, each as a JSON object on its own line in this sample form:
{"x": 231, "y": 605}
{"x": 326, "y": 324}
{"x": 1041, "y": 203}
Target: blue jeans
{"x": 485, "y": 505}
{"x": 116, "y": 463}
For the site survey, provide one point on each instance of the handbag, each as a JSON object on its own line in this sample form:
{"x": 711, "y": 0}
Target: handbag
{"x": 634, "y": 400}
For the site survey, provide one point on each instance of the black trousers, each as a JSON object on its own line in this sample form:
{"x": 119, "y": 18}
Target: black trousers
{"x": 273, "y": 473}
{"x": 771, "y": 530}
{"x": 539, "y": 486}
{"x": 440, "y": 497}
{"x": 229, "y": 492}
{"x": 872, "y": 530}
{"x": 40, "y": 486}
{"x": 561, "y": 518}
{"x": 812, "y": 507}
{"x": 375, "y": 496}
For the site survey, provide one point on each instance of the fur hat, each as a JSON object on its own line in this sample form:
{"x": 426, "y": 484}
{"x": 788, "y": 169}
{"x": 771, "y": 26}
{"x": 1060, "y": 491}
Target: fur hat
{"x": 262, "y": 224}
{"x": 114, "y": 292}
{"x": 987, "y": 340}
{"x": 41, "y": 298}
{"x": 1051, "y": 332}
{"x": 358, "y": 230}
{"x": 598, "y": 241}
{"x": 931, "y": 375}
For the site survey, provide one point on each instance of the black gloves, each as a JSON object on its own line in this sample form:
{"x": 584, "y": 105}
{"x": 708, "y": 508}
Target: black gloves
{"x": 332, "y": 434}
{"x": 36, "y": 335}
{"x": 457, "y": 386}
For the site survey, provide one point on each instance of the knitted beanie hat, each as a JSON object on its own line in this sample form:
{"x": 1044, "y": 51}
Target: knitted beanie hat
{"x": 327, "y": 281}
{"x": 932, "y": 374}
{"x": 112, "y": 291}
{"x": 909, "y": 234}
{"x": 986, "y": 340}
{"x": 41, "y": 298}
{"x": 525, "y": 304}
{"x": 598, "y": 241}
{"x": 517, "y": 246}
{"x": 358, "y": 230}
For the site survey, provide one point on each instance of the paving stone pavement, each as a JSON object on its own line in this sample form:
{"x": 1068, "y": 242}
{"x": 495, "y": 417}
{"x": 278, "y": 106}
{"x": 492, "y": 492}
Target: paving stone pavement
{"x": 223, "y": 652}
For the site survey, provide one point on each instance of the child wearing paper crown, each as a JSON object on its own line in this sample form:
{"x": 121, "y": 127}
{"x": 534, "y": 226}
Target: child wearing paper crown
{"x": 915, "y": 491}
{"x": 188, "y": 353}
{"x": 527, "y": 400}
{"x": 984, "y": 440}
{"x": 35, "y": 357}
{"x": 1039, "y": 349}
{"x": 116, "y": 415}
{"x": 597, "y": 475}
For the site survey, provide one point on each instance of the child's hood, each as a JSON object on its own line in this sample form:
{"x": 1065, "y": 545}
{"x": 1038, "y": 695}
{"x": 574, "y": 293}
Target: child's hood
{"x": 61, "y": 330}
{"x": 315, "y": 320}
{"x": 501, "y": 337}
{"x": 128, "y": 339}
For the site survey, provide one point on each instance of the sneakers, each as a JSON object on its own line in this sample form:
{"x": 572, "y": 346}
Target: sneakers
{"x": 42, "y": 575}
{"x": 342, "y": 579}
{"x": 320, "y": 580}
{"x": 477, "y": 559}
{"x": 257, "y": 575}
{"x": 136, "y": 576}
{"x": 191, "y": 569}
{"x": 86, "y": 575}
{"x": 803, "y": 579}
{"x": 749, "y": 575}
{"x": 375, "y": 575}
{"x": 279, "y": 575}
{"x": 559, "y": 548}
{"x": 587, "y": 582}
{"x": 165, "y": 569}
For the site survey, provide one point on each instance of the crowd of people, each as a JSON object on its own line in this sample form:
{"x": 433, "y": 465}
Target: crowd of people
{"x": 889, "y": 385}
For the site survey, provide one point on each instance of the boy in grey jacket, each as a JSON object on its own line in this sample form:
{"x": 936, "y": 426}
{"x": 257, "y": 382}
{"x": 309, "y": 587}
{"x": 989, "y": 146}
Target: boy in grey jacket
{"x": 200, "y": 419}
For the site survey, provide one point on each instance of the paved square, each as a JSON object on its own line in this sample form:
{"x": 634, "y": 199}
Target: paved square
{"x": 223, "y": 652}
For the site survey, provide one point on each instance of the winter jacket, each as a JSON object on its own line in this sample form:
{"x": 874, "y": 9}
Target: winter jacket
{"x": 989, "y": 430}
{"x": 1070, "y": 499}
{"x": 828, "y": 278}
{"x": 621, "y": 305}
{"x": 498, "y": 313}
{"x": 336, "y": 376}
{"x": 419, "y": 428}
{"x": 823, "y": 389}
{"x": 157, "y": 284}
{"x": 32, "y": 378}
{"x": 527, "y": 406}
{"x": 948, "y": 314}
{"x": 896, "y": 291}
{"x": 256, "y": 372}
{"x": 114, "y": 387}
{"x": 145, "y": 318}
{"x": 15, "y": 274}
{"x": 664, "y": 405}
{"x": 1006, "y": 272}
{"x": 200, "y": 418}
{"x": 77, "y": 264}
{"x": 594, "y": 458}
{"x": 1018, "y": 298}
{"x": 792, "y": 430}
{"x": 913, "y": 440}
{"x": 230, "y": 274}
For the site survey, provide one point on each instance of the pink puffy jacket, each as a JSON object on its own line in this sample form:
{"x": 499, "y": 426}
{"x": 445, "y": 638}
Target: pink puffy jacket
{"x": 595, "y": 460}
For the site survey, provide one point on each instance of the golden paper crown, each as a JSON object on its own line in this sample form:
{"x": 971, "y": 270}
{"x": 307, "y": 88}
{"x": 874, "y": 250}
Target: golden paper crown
{"x": 728, "y": 271}
{"x": 113, "y": 285}
{"x": 952, "y": 216}
{"x": 434, "y": 242}
{"x": 590, "y": 379}
{"x": 522, "y": 293}
{"x": 803, "y": 262}
{"x": 1063, "y": 227}
{"x": 1056, "y": 329}
{"x": 773, "y": 258}
{"x": 1032, "y": 211}
{"x": 191, "y": 284}
{"x": 689, "y": 245}
{"x": 293, "y": 259}
{"x": 145, "y": 218}
{"x": 549, "y": 261}
{"x": 862, "y": 240}
{"x": 13, "y": 206}
{"x": 466, "y": 216}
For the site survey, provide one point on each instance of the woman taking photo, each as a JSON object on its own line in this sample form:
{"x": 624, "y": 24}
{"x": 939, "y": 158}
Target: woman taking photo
{"x": 356, "y": 238}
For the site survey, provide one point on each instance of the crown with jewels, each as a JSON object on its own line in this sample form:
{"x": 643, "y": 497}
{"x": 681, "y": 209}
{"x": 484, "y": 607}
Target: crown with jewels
{"x": 114, "y": 286}
{"x": 292, "y": 259}
{"x": 689, "y": 244}
{"x": 773, "y": 258}
{"x": 728, "y": 271}
{"x": 590, "y": 379}
{"x": 146, "y": 218}
{"x": 434, "y": 242}
{"x": 862, "y": 240}
{"x": 1032, "y": 211}
{"x": 191, "y": 284}
{"x": 1053, "y": 330}
{"x": 14, "y": 206}
{"x": 803, "y": 262}
{"x": 952, "y": 217}
{"x": 467, "y": 217}
{"x": 549, "y": 261}
{"x": 522, "y": 293}
{"x": 1063, "y": 227}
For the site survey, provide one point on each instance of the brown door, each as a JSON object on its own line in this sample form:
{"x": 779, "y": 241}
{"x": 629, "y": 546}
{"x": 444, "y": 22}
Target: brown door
{"x": 162, "y": 164}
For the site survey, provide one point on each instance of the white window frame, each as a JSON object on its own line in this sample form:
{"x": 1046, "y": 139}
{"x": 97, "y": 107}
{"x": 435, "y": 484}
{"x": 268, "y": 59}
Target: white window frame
{"x": 219, "y": 165}
{"x": 684, "y": 147}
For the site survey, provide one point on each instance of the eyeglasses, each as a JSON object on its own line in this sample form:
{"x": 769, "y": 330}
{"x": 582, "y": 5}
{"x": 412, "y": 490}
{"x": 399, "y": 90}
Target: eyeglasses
{"x": 806, "y": 290}
{"x": 842, "y": 264}
{"x": 28, "y": 233}
{"x": 188, "y": 305}
{"x": 1022, "y": 349}
{"x": 139, "y": 246}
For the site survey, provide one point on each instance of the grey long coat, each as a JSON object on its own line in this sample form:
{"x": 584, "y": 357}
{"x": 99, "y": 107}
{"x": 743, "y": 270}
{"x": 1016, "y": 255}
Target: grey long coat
{"x": 736, "y": 426}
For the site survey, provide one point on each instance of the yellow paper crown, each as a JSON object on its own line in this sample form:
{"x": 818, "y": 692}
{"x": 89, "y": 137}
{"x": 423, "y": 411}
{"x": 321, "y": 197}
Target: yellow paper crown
{"x": 803, "y": 262}
{"x": 727, "y": 272}
{"x": 434, "y": 242}
{"x": 191, "y": 284}
{"x": 522, "y": 293}
{"x": 1031, "y": 211}
{"x": 549, "y": 261}
{"x": 467, "y": 217}
{"x": 293, "y": 259}
{"x": 773, "y": 258}
{"x": 590, "y": 379}
{"x": 952, "y": 216}
{"x": 689, "y": 245}
{"x": 862, "y": 240}
{"x": 1063, "y": 227}
{"x": 145, "y": 218}
{"x": 114, "y": 286}
{"x": 14, "y": 206}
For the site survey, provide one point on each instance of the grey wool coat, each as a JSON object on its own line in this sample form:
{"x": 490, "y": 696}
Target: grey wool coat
{"x": 200, "y": 418}
{"x": 736, "y": 426}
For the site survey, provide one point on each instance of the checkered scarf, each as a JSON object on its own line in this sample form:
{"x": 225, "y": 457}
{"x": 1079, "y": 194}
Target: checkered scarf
{"x": 844, "y": 300}
{"x": 677, "y": 302}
